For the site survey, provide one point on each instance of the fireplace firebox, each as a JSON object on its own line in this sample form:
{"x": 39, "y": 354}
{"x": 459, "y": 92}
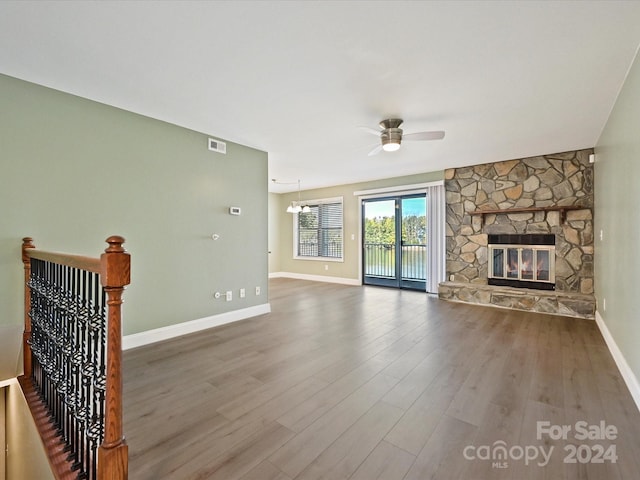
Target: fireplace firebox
{"x": 523, "y": 261}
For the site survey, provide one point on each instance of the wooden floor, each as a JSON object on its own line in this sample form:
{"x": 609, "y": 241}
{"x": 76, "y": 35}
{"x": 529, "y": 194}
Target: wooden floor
{"x": 342, "y": 382}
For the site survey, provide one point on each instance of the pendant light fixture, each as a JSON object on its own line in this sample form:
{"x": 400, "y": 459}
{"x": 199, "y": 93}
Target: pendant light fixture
{"x": 294, "y": 207}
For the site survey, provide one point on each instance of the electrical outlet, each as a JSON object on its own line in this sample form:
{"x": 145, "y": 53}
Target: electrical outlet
{"x": 242, "y": 293}
{"x": 257, "y": 290}
{"x": 229, "y": 295}
{"x": 326, "y": 267}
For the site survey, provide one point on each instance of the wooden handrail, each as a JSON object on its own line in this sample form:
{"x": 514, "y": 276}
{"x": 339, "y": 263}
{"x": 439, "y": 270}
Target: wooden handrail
{"x": 75, "y": 261}
{"x": 113, "y": 267}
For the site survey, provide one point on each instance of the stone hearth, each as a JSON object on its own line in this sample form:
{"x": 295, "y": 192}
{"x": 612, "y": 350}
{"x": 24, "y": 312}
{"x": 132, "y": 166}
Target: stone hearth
{"x": 555, "y": 180}
{"x": 541, "y": 301}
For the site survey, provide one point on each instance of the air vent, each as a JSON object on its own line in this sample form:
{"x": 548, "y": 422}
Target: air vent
{"x": 217, "y": 146}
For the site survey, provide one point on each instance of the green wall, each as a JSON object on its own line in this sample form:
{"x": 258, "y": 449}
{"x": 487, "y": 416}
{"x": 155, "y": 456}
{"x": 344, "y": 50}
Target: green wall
{"x": 617, "y": 263}
{"x": 282, "y": 247}
{"x": 274, "y": 231}
{"x": 73, "y": 172}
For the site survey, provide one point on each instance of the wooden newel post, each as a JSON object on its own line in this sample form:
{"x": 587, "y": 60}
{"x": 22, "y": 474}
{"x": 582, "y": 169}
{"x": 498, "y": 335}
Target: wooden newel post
{"x": 27, "y": 243}
{"x": 115, "y": 275}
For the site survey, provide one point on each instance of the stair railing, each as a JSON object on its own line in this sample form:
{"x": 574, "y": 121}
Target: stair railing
{"x": 72, "y": 346}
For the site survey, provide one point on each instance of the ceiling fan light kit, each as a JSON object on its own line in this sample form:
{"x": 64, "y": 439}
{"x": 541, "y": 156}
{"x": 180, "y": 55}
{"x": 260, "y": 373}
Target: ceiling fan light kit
{"x": 391, "y": 146}
{"x": 391, "y": 135}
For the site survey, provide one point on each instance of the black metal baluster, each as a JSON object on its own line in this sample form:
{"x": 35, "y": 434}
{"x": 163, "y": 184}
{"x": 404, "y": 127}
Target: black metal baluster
{"x": 84, "y": 417}
{"x": 72, "y": 398}
{"x": 95, "y": 325}
{"x": 46, "y": 358}
{"x": 67, "y": 350}
{"x": 80, "y": 359}
{"x": 87, "y": 371}
{"x": 57, "y": 331}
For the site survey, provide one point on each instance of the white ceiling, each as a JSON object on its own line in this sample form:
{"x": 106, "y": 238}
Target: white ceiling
{"x": 503, "y": 79}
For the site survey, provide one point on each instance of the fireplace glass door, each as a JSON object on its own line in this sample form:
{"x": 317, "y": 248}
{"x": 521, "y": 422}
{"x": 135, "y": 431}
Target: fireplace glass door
{"x": 512, "y": 263}
{"x": 522, "y": 263}
{"x": 526, "y": 264}
{"x": 543, "y": 266}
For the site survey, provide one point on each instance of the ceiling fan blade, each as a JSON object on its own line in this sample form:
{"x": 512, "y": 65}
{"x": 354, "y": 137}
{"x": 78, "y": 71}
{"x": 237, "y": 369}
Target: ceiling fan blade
{"x": 372, "y": 131}
{"x": 375, "y": 151}
{"x": 435, "y": 135}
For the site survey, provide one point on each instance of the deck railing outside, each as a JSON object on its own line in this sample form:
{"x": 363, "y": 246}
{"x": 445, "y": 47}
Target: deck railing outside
{"x": 330, "y": 249}
{"x": 380, "y": 260}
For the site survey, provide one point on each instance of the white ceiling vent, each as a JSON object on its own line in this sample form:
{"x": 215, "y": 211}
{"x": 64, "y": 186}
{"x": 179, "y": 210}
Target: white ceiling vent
{"x": 217, "y": 146}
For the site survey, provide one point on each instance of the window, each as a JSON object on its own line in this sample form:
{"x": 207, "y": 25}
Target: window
{"x": 318, "y": 234}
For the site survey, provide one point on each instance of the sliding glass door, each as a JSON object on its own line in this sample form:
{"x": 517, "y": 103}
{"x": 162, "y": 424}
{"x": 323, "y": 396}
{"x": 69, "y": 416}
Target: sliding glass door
{"x": 395, "y": 241}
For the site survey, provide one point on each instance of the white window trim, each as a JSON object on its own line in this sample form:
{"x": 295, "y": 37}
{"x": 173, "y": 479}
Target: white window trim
{"x": 295, "y": 231}
{"x": 397, "y": 190}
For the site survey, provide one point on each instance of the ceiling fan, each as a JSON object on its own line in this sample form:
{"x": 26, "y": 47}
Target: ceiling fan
{"x": 391, "y": 135}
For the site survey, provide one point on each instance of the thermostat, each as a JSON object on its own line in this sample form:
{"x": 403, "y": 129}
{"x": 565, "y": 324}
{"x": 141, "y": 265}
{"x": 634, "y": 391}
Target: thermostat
{"x": 234, "y": 211}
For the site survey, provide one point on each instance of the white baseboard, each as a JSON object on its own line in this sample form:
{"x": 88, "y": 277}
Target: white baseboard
{"x": 627, "y": 374}
{"x": 316, "y": 278}
{"x": 165, "y": 333}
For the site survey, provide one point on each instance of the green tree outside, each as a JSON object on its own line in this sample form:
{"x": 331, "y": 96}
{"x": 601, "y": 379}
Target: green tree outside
{"x": 382, "y": 230}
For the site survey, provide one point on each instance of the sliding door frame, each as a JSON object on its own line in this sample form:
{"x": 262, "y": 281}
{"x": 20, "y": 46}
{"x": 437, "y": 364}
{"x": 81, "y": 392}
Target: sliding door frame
{"x": 435, "y": 222}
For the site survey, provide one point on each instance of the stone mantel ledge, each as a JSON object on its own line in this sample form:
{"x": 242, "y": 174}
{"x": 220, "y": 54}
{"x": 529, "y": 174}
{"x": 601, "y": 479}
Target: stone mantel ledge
{"x": 540, "y": 301}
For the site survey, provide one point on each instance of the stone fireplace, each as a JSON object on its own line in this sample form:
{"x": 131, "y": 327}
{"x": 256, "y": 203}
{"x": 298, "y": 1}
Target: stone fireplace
{"x": 520, "y": 234}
